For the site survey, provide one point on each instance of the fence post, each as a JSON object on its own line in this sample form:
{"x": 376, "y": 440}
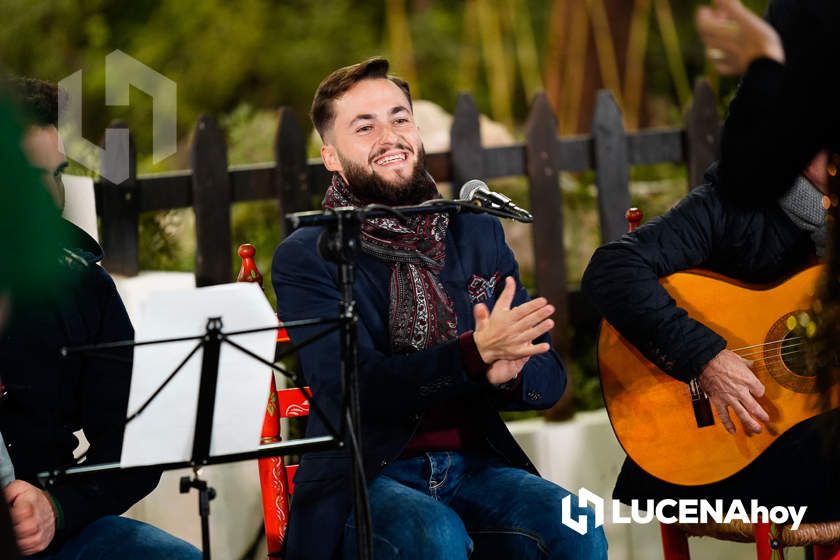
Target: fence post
{"x": 211, "y": 202}
{"x": 702, "y": 132}
{"x": 120, "y": 209}
{"x": 612, "y": 168}
{"x": 547, "y": 207}
{"x": 291, "y": 171}
{"x": 465, "y": 143}
{"x": 549, "y": 251}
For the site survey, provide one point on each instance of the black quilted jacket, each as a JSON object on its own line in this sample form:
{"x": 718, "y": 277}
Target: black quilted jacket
{"x": 704, "y": 230}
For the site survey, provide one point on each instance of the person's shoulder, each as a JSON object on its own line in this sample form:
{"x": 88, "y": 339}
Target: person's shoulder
{"x": 706, "y": 196}
{"x": 298, "y": 250}
{"x": 305, "y": 239}
{"x": 470, "y": 223}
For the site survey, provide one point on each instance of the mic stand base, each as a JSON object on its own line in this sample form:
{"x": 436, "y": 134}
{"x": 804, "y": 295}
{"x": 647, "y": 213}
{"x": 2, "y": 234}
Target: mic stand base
{"x": 205, "y": 494}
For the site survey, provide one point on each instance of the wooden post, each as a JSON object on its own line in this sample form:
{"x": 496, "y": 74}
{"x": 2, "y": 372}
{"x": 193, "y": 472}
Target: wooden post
{"x": 120, "y": 209}
{"x": 211, "y": 201}
{"x": 541, "y": 147}
{"x": 702, "y": 133}
{"x": 465, "y": 143}
{"x": 612, "y": 168}
{"x": 290, "y": 173}
{"x": 547, "y": 207}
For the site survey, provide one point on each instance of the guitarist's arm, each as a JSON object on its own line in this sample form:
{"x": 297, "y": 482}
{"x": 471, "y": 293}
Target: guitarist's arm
{"x": 622, "y": 281}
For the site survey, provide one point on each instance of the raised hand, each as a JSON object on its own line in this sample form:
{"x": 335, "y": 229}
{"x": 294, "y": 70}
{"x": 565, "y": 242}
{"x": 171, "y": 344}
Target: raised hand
{"x": 508, "y": 333}
{"x": 734, "y": 37}
{"x": 730, "y": 383}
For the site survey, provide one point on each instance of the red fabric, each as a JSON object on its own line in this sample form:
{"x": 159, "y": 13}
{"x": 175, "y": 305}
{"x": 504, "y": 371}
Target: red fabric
{"x": 674, "y": 542}
{"x": 421, "y": 314}
{"x": 475, "y": 366}
{"x": 439, "y": 431}
{"x": 827, "y": 552}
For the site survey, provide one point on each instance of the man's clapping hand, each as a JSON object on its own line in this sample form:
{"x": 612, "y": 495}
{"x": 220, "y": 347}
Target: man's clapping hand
{"x": 504, "y": 337}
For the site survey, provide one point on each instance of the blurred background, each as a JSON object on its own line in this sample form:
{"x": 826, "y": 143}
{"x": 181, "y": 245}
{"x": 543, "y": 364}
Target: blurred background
{"x": 241, "y": 61}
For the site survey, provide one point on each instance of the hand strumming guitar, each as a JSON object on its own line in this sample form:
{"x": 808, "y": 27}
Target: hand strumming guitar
{"x": 730, "y": 383}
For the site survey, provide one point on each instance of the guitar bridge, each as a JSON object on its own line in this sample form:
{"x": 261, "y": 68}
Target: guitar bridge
{"x": 701, "y": 404}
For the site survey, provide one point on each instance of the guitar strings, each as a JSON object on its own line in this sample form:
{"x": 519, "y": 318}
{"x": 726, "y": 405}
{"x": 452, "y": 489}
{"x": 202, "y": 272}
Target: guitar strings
{"x": 761, "y": 352}
{"x": 773, "y": 360}
{"x": 774, "y": 357}
{"x": 784, "y": 352}
{"x": 767, "y": 343}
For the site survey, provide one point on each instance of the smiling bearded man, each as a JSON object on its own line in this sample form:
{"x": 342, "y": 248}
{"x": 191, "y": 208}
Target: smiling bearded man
{"x": 446, "y": 479}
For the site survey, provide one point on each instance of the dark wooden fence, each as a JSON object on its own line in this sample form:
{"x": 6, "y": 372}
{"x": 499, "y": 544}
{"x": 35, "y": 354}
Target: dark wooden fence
{"x": 211, "y": 186}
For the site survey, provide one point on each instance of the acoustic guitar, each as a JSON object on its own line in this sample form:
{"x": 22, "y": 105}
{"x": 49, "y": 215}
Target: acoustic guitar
{"x": 668, "y": 426}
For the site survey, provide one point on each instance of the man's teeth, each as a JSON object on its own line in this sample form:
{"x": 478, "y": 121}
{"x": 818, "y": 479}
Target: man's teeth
{"x": 389, "y": 159}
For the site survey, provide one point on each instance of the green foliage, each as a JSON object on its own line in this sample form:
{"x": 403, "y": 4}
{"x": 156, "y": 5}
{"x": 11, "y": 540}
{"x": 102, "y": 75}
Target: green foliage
{"x": 167, "y": 240}
{"x": 264, "y": 54}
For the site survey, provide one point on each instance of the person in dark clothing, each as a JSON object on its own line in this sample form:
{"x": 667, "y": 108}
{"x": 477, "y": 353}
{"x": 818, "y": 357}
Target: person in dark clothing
{"x": 707, "y": 230}
{"x": 445, "y": 477}
{"x": 759, "y": 218}
{"x": 47, "y": 398}
{"x": 784, "y": 114}
{"x": 29, "y": 222}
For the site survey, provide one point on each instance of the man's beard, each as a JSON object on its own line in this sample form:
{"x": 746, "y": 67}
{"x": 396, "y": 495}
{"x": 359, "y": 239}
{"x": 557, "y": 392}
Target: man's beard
{"x": 370, "y": 188}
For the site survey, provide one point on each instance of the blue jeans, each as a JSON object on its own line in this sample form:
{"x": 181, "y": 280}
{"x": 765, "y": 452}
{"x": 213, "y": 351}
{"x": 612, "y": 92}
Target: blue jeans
{"x": 446, "y": 505}
{"x": 119, "y": 537}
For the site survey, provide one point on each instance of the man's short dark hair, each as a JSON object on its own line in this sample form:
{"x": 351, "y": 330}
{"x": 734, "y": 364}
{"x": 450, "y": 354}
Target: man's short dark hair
{"x": 334, "y": 85}
{"x": 37, "y": 100}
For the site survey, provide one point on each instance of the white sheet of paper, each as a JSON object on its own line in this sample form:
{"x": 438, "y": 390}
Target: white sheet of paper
{"x": 79, "y": 203}
{"x": 163, "y": 433}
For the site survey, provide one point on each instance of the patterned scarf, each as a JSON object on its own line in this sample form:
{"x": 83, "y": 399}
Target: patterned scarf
{"x": 803, "y": 205}
{"x": 421, "y": 315}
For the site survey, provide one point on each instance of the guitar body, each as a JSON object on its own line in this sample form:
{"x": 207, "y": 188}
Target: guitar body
{"x": 652, "y": 413}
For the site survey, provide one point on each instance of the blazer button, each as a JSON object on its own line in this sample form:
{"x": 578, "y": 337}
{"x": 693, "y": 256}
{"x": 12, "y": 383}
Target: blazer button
{"x": 383, "y": 463}
{"x": 534, "y": 395}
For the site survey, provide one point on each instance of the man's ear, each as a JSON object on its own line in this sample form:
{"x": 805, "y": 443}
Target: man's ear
{"x": 330, "y": 157}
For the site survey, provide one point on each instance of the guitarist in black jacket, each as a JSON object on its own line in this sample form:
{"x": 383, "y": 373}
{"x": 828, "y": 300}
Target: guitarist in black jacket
{"x": 742, "y": 223}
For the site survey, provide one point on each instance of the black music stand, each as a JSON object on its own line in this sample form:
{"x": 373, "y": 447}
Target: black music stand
{"x": 210, "y": 341}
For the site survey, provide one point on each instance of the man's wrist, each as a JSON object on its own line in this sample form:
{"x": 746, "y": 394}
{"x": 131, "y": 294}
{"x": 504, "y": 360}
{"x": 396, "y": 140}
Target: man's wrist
{"x": 474, "y": 364}
{"x": 773, "y": 51}
{"x": 58, "y": 512}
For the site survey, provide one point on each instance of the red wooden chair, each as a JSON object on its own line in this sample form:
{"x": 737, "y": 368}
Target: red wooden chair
{"x": 276, "y": 478}
{"x": 770, "y": 540}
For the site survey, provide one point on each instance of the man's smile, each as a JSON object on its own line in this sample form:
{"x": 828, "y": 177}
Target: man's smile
{"x": 391, "y": 159}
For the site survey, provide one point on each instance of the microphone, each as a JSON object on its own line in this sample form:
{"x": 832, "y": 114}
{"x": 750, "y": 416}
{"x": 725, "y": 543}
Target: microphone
{"x": 477, "y": 190}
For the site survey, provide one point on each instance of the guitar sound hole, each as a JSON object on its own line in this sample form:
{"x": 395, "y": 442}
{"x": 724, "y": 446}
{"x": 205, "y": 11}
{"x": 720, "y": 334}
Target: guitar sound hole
{"x": 792, "y": 352}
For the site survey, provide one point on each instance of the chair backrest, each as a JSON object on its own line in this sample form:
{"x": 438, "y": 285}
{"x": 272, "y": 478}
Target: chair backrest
{"x": 276, "y": 478}
{"x": 292, "y": 403}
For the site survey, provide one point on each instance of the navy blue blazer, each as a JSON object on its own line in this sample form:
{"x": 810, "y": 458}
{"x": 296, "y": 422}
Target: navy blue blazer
{"x": 395, "y": 389}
